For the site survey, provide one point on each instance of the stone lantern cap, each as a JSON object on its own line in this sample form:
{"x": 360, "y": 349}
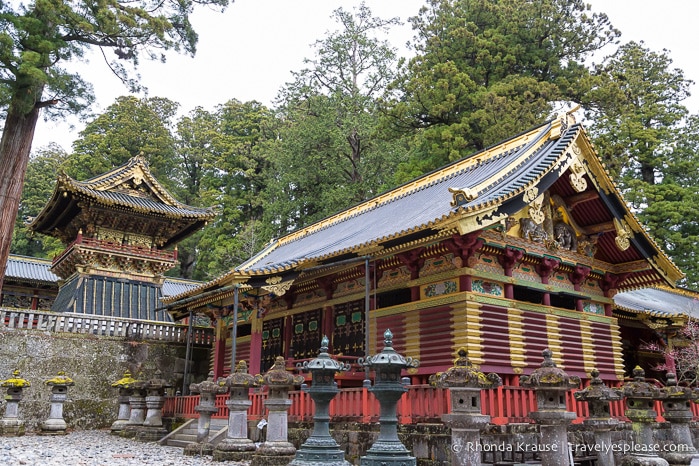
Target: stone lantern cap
{"x": 463, "y": 375}
{"x": 61, "y": 380}
{"x": 388, "y": 359}
{"x": 207, "y": 386}
{"x": 278, "y": 377}
{"x": 597, "y": 390}
{"x": 676, "y": 392}
{"x": 640, "y": 389}
{"x": 324, "y": 362}
{"x": 15, "y": 381}
{"x": 549, "y": 376}
{"x": 157, "y": 383}
{"x": 125, "y": 382}
{"x": 240, "y": 378}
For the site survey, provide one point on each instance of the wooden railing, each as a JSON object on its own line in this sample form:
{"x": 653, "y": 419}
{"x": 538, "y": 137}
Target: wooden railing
{"x": 102, "y": 326}
{"x": 84, "y": 242}
{"x": 422, "y": 403}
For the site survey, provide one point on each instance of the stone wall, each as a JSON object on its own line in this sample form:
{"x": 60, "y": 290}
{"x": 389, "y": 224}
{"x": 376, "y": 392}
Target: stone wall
{"x": 93, "y": 363}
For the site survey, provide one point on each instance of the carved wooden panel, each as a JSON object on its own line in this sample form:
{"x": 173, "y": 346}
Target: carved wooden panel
{"x": 272, "y": 342}
{"x": 306, "y": 334}
{"x": 348, "y": 333}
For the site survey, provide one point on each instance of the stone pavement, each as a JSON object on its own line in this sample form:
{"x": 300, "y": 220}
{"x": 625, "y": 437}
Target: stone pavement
{"x": 94, "y": 448}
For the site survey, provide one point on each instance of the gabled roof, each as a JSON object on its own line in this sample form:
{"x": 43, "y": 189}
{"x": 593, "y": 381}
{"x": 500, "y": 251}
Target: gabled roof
{"x": 130, "y": 187}
{"x": 659, "y": 302}
{"x": 476, "y": 193}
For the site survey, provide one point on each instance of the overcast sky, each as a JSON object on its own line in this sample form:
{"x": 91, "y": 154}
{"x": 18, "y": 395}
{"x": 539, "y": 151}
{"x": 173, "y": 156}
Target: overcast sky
{"x": 248, "y": 52}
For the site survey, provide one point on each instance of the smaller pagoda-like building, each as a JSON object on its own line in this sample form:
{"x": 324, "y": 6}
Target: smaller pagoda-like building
{"x": 120, "y": 230}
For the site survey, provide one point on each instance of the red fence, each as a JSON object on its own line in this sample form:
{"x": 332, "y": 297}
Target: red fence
{"x": 422, "y": 403}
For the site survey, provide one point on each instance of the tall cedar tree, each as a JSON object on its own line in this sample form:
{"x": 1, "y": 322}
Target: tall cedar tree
{"x": 329, "y": 156}
{"x": 36, "y": 39}
{"x": 642, "y": 131}
{"x": 487, "y": 69}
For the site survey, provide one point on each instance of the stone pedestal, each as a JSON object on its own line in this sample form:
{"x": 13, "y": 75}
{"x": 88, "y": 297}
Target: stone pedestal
{"x": 206, "y": 408}
{"x": 597, "y": 395}
{"x": 237, "y": 446}
{"x": 276, "y": 449}
{"x": 466, "y": 421}
{"x": 125, "y": 392}
{"x": 640, "y": 409}
{"x": 137, "y": 409}
{"x": 55, "y": 424}
{"x": 320, "y": 448}
{"x": 551, "y": 385}
{"x": 10, "y": 424}
{"x": 152, "y": 428}
{"x": 677, "y": 411}
{"x": 388, "y": 389}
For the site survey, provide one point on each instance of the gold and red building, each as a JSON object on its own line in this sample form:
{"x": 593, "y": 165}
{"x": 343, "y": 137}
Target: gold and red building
{"x": 517, "y": 248}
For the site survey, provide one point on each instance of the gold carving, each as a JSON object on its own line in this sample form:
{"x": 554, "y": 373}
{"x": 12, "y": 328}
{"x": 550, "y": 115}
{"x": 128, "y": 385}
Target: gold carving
{"x": 277, "y": 286}
{"x": 462, "y": 196}
{"x": 577, "y": 180}
{"x": 530, "y": 195}
{"x": 623, "y": 235}
{"x": 535, "y": 210}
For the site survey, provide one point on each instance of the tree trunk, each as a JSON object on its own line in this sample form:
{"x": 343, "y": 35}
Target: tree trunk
{"x": 15, "y": 146}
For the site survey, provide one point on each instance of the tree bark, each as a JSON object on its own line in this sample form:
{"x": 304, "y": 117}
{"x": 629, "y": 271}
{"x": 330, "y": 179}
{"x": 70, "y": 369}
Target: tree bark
{"x": 15, "y": 147}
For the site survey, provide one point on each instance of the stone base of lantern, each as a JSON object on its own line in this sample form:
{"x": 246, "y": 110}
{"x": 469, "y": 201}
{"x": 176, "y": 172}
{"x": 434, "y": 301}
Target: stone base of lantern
{"x": 12, "y": 428}
{"x": 640, "y": 460}
{"x": 273, "y": 454}
{"x": 53, "y": 427}
{"x": 199, "y": 449}
{"x": 118, "y": 426}
{"x": 130, "y": 430}
{"x": 233, "y": 449}
{"x": 681, "y": 458}
{"x": 150, "y": 434}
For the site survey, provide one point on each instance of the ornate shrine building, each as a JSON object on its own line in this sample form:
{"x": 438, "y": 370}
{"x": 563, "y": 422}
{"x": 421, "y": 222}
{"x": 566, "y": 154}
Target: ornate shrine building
{"x": 517, "y": 248}
{"x": 120, "y": 230}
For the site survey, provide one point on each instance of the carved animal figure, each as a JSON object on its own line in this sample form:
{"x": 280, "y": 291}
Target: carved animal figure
{"x": 565, "y": 236}
{"x": 531, "y": 231}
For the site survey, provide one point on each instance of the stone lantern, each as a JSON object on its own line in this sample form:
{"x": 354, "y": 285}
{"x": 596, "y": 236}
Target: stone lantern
{"x": 10, "y": 424}
{"x": 125, "y": 387}
{"x": 597, "y": 396}
{"x": 388, "y": 389}
{"x": 551, "y": 385}
{"x": 137, "y": 407}
{"x": 466, "y": 421}
{"x": 276, "y": 449}
{"x": 320, "y": 448}
{"x": 677, "y": 411}
{"x": 152, "y": 428}
{"x": 640, "y": 409}
{"x": 207, "y": 390}
{"x": 237, "y": 446}
{"x": 55, "y": 424}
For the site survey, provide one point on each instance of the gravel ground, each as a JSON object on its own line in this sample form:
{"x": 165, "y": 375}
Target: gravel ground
{"x": 93, "y": 448}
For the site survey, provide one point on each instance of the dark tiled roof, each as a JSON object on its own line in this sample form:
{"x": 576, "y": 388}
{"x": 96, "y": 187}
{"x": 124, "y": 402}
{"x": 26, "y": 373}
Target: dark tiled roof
{"x": 421, "y": 205}
{"x": 30, "y": 269}
{"x": 659, "y": 301}
{"x": 27, "y": 269}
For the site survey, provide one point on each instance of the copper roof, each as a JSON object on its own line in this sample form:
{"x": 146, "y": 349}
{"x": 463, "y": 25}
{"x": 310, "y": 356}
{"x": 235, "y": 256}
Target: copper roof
{"x": 129, "y": 188}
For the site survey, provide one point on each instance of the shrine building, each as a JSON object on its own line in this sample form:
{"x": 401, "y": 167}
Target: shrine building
{"x": 120, "y": 230}
{"x": 516, "y": 248}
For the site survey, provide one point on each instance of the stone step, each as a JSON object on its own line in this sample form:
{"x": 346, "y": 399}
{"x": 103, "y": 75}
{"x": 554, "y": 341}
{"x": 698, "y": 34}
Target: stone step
{"x": 172, "y": 442}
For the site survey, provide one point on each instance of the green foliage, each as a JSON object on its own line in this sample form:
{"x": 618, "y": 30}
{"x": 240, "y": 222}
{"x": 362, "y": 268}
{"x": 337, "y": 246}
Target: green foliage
{"x": 641, "y": 131}
{"x": 40, "y": 181}
{"x": 130, "y": 126}
{"x": 330, "y": 154}
{"x": 488, "y": 69}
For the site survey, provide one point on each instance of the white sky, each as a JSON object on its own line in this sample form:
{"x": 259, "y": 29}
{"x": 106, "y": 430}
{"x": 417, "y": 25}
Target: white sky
{"x": 248, "y": 52}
